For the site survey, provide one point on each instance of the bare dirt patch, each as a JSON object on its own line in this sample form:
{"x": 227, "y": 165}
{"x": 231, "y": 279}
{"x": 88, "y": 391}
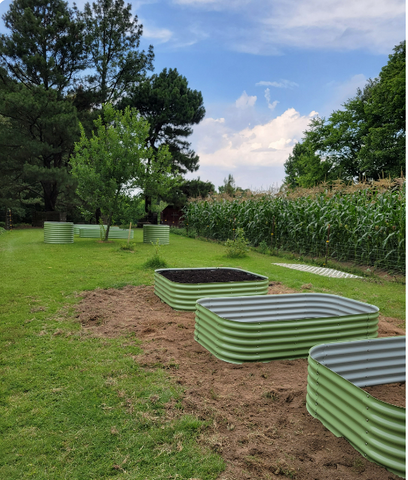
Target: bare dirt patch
{"x": 259, "y": 422}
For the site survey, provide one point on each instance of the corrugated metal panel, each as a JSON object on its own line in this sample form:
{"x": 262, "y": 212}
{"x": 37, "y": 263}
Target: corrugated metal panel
{"x": 95, "y": 227}
{"x": 336, "y": 372}
{"x": 113, "y": 233}
{"x": 183, "y": 296}
{"x": 152, "y": 233}
{"x": 58, "y": 232}
{"x": 271, "y": 327}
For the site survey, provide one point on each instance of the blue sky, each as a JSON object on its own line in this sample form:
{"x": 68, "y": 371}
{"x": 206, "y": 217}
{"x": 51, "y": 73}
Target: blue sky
{"x": 264, "y": 69}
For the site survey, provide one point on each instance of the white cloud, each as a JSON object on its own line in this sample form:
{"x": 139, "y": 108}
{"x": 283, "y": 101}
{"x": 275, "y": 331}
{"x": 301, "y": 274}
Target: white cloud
{"x": 160, "y": 35}
{"x": 281, "y": 84}
{"x": 263, "y": 145}
{"x": 374, "y": 25}
{"x": 245, "y": 101}
{"x": 272, "y": 105}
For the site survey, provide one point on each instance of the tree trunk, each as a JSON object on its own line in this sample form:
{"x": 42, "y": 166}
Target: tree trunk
{"x": 50, "y": 195}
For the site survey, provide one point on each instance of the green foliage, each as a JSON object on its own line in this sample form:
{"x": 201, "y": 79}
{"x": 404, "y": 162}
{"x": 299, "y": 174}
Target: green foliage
{"x": 238, "y": 247}
{"x": 179, "y": 195}
{"x": 112, "y": 37}
{"x": 171, "y": 108}
{"x": 39, "y": 59}
{"x": 230, "y": 188}
{"x": 2, "y": 231}
{"x": 130, "y": 247}
{"x": 365, "y": 139}
{"x": 156, "y": 261}
{"x": 129, "y": 210}
{"x": 367, "y": 223}
{"x": 116, "y": 160}
{"x": 263, "y": 247}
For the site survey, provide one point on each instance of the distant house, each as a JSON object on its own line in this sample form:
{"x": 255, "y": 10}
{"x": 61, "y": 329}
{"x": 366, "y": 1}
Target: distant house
{"x": 171, "y": 216}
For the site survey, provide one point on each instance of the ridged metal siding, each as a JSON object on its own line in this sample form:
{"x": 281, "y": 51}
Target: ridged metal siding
{"x": 336, "y": 372}
{"x": 95, "y": 227}
{"x": 271, "y": 327}
{"x": 58, "y": 232}
{"x": 183, "y": 296}
{"x": 152, "y": 233}
{"x": 113, "y": 233}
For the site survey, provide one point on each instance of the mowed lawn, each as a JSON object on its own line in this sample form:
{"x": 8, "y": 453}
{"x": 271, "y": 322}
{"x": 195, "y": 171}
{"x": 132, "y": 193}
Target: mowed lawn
{"x": 77, "y": 407}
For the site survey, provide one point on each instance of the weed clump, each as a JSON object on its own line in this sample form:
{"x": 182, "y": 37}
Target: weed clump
{"x": 156, "y": 261}
{"x": 129, "y": 247}
{"x": 239, "y": 247}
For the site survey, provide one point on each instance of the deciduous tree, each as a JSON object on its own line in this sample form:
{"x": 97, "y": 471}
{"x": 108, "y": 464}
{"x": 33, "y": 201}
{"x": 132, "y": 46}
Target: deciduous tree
{"x": 116, "y": 160}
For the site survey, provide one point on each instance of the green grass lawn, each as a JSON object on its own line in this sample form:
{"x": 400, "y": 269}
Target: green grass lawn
{"x": 77, "y": 407}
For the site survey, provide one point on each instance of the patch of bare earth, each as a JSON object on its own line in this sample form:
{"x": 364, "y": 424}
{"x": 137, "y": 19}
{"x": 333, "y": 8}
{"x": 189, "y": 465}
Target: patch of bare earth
{"x": 260, "y": 424}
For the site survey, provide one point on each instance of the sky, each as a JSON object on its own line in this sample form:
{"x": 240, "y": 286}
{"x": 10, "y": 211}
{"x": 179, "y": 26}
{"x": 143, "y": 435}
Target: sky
{"x": 265, "y": 68}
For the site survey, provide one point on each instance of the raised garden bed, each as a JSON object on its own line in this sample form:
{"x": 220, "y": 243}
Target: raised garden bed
{"x": 337, "y": 373}
{"x": 182, "y": 287}
{"x": 58, "y": 232}
{"x": 154, "y": 233}
{"x": 265, "y": 328}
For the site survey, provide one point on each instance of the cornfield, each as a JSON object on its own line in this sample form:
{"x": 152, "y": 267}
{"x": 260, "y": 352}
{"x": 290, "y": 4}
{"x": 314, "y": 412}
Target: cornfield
{"x": 363, "y": 223}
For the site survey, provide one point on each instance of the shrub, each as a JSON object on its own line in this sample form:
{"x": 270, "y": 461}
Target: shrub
{"x": 239, "y": 247}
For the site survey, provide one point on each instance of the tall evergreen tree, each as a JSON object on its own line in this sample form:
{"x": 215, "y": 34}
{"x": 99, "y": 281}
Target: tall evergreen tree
{"x": 112, "y": 39}
{"x": 39, "y": 58}
{"x": 171, "y": 108}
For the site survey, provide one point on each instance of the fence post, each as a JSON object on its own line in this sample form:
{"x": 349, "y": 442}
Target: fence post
{"x": 327, "y": 241}
{"x": 9, "y": 220}
{"x": 272, "y": 236}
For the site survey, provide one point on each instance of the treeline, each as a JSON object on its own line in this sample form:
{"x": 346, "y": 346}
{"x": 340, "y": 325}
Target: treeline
{"x": 364, "y": 140}
{"x": 58, "y": 67}
{"x": 363, "y": 223}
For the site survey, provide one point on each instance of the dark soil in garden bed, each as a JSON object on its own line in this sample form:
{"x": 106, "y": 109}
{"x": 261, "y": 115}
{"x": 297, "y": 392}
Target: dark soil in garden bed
{"x": 256, "y": 412}
{"x": 204, "y": 275}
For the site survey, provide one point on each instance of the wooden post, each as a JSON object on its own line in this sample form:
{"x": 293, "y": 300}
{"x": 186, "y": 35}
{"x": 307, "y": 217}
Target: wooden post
{"x": 130, "y": 229}
{"x": 327, "y": 242}
{"x": 273, "y": 235}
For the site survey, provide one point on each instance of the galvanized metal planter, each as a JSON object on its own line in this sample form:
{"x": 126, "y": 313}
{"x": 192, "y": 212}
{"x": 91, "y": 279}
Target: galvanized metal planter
{"x": 337, "y": 372}
{"x": 94, "y": 227}
{"x": 113, "y": 233}
{"x": 58, "y": 232}
{"x": 261, "y": 329}
{"x": 152, "y": 233}
{"x": 183, "y": 296}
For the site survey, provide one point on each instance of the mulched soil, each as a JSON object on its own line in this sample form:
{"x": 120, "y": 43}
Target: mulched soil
{"x": 209, "y": 275}
{"x": 259, "y": 422}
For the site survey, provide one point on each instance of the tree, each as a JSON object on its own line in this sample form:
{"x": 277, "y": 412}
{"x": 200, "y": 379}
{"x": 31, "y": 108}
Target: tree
{"x": 230, "y": 187}
{"x": 45, "y": 47}
{"x": 304, "y": 168}
{"x": 36, "y": 138}
{"x": 112, "y": 37}
{"x": 179, "y": 195}
{"x": 384, "y": 149}
{"x": 116, "y": 160}
{"x": 171, "y": 108}
{"x": 39, "y": 58}
{"x": 364, "y": 139}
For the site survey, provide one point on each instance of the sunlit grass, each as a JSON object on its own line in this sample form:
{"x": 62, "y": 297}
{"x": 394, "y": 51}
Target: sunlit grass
{"x": 77, "y": 407}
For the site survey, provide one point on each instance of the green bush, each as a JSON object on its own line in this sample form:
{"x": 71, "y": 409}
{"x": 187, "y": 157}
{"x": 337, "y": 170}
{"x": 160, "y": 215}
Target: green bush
{"x": 239, "y": 247}
{"x": 156, "y": 261}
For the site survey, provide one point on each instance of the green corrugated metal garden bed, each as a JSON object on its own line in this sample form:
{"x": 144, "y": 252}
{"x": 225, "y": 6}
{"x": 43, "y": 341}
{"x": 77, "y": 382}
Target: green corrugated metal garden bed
{"x": 58, "y": 232}
{"x": 183, "y": 296}
{"x": 271, "y": 327}
{"x": 154, "y": 233}
{"x": 337, "y": 374}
